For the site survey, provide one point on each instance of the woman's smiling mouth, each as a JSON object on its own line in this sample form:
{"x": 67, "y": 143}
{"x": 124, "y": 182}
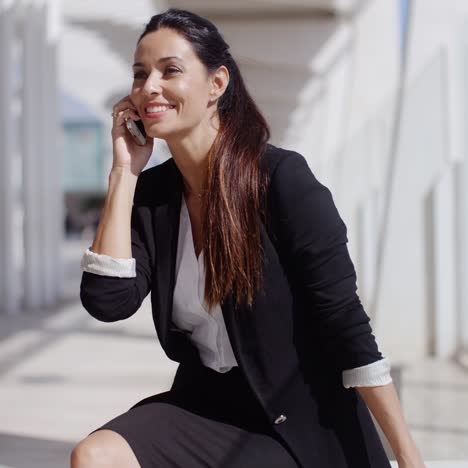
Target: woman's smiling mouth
{"x": 154, "y": 111}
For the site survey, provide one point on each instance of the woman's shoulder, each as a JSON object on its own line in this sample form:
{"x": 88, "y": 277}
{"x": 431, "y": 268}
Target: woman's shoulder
{"x": 276, "y": 156}
{"x": 288, "y": 167}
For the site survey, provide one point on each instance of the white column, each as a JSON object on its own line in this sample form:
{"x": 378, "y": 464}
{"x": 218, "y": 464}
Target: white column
{"x": 53, "y": 192}
{"x": 33, "y": 158}
{"x": 50, "y": 169}
{"x": 42, "y": 170}
{"x": 46, "y": 169}
{"x": 461, "y": 217}
{"x": 367, "y": 242}
{"x": 443, "y": 324}
{"x": 8, "y": 282}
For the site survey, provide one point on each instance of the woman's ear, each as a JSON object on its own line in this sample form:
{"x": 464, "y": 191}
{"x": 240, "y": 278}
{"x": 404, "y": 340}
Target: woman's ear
{"x": 220, "y": 81}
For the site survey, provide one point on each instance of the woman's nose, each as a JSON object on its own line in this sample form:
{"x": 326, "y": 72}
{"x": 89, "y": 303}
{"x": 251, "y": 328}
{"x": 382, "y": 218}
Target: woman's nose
{"x": 152, "y": 85}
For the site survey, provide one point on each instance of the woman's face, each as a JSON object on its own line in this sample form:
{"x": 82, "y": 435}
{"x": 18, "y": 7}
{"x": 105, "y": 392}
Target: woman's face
{"x": 167, "y": 71}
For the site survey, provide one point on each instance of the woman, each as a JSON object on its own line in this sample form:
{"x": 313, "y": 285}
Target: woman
{"x": 252, "y": 288}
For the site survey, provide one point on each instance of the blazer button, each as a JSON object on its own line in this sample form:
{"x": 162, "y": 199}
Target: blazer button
{"x": 280, "y": 419}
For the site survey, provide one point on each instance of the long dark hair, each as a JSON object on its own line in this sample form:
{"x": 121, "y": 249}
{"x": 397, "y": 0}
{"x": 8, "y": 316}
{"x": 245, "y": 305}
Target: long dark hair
{"x": 236, "y": 181}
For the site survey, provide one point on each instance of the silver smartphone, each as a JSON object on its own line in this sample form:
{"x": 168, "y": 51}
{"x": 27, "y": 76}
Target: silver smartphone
{"x": 137, "y": 130}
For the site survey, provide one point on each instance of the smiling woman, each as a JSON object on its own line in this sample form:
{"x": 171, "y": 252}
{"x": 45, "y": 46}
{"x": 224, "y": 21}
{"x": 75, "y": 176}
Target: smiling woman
{"x": 252, "y": 287}
{"x": 182, "y": 88}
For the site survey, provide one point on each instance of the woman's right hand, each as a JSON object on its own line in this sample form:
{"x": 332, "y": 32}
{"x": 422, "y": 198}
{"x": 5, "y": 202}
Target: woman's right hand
{"x": 127, "y": 154}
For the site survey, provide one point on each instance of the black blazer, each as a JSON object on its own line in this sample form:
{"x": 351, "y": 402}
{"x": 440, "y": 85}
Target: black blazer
{"x": 307, "y": 327}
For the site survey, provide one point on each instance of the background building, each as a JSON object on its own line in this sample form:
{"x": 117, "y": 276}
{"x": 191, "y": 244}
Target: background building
{"x": 372, "y": 92}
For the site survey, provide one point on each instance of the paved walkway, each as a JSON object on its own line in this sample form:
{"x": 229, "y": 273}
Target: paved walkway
{"x": 62, "y": 374}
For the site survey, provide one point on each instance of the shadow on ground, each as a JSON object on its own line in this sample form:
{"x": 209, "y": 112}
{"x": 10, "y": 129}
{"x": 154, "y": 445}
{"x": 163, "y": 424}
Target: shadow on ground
{"x": 35, "y": 452}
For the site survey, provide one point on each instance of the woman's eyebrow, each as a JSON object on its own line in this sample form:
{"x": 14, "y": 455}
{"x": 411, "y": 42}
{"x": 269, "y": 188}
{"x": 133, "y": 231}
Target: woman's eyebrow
{"x": 163, "y": 59}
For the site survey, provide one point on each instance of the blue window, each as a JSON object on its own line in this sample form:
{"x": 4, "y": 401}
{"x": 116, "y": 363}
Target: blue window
{"x": 404, "y": 13}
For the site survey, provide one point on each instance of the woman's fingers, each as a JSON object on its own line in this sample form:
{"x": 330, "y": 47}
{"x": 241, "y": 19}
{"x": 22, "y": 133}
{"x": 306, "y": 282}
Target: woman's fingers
{"x": 122, "y": 105}
{"x": 132, "y": 114}
{"x": 119, "y": 118}
{"x": 121, "y": 112}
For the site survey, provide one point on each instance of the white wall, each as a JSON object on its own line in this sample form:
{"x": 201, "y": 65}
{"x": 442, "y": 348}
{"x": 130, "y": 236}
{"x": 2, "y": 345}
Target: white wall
{"x": 348, "y": 142}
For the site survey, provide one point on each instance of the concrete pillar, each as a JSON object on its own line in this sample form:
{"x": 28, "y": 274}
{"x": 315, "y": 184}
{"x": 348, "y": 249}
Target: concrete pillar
{"x": 51, "y": 169}
{"x": 33, "y": 135}
{"x": 366, "y": 260}
{"x": 46, "y": 170}
{"x": 9, "y": 291}
{"x": 42, "y": 172}
{"x": 55, "y": 31}
{"x": 442, "y": 313}
{"x": 461, "y": 237}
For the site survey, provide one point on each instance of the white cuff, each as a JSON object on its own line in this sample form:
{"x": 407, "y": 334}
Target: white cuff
{"x": 371, "y": 375}
{"x": 105, "y": 265}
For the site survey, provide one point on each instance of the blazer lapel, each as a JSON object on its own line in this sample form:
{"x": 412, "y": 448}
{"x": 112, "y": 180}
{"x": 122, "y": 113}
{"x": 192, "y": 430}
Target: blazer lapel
{"x": 166, "y": 228}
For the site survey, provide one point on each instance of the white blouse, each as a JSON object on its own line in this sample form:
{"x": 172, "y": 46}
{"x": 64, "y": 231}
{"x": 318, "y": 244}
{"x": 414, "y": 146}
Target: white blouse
{"x": 208, "y": 332}
{"x": 190, "y": 313}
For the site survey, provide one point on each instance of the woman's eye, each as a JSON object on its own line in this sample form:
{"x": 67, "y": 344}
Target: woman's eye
{"x": 141, "y": 74}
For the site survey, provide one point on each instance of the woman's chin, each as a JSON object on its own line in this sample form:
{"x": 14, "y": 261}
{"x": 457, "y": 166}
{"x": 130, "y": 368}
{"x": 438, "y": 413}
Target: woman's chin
{"x": 156, "y": 133}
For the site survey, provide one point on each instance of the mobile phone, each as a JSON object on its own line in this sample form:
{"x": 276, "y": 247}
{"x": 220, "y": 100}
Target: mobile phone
{"x": 137, "y": 130}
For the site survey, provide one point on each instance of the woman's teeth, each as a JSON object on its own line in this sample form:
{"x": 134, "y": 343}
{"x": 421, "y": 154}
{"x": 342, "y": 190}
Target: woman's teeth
{"x": 151, "y": 110}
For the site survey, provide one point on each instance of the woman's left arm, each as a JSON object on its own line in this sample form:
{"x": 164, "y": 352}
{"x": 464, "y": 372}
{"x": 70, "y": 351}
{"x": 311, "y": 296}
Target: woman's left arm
{"x": 385, "y": 405}
{"x": 311, "y": 239}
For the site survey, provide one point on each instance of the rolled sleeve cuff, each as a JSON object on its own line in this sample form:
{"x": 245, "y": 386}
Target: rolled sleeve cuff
{"x": 105, "y": 265}
{"x": 371, "y": 375}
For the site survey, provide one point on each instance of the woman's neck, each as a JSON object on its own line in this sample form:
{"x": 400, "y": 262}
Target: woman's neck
{"x": 190, "y": 153}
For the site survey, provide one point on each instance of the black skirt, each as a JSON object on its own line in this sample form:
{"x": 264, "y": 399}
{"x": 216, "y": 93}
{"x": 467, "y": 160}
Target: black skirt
{"x": 207, "y": 419}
